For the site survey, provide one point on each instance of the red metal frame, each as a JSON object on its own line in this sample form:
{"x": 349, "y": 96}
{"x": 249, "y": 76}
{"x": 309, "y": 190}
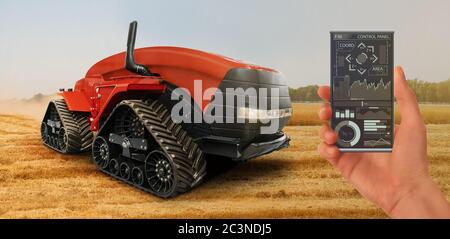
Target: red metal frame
{"x": 103, "y": 97}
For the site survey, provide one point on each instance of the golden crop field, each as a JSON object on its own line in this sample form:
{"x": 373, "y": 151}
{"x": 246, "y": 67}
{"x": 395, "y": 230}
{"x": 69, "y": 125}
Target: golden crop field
{"x": 36, "y": 182}
{"x": 306, "y": 114}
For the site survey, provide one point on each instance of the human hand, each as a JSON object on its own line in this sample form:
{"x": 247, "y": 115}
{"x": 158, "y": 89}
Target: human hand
{"x": 393, "y": 181}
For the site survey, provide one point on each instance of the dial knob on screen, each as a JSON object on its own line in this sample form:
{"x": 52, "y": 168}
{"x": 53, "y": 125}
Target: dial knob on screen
{"x": 348, "y": 132}
{"x": 361, "y": 58}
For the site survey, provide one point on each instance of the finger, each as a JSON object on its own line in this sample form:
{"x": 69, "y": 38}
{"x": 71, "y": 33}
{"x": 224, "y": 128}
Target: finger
{"x": 327, "y": 135}
{"x": 407, "y": 102}
{"x": 329, "y": 152}
{"x": 324, "y": 93}
{"x": 396, "y": 128}
{"x": 325, "y": 112}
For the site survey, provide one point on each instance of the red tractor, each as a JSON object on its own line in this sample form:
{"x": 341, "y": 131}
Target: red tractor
{"x": 121, "y": 111}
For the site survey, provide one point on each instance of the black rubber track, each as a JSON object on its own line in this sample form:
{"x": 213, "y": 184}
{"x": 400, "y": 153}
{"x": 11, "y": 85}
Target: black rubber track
{"x": 73, "y": 144}
{"x": 188, "y": 159}
{"x": 84, "y": 129}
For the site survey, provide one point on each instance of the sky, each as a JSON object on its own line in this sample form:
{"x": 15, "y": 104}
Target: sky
{"x": 46, "y": 45}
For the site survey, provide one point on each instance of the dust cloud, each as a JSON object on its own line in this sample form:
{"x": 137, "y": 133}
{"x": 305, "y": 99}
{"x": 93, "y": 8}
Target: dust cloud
{"x": 33, "y": 107}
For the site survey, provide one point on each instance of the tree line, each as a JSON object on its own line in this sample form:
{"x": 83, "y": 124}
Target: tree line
{"x": 430, "y": 92}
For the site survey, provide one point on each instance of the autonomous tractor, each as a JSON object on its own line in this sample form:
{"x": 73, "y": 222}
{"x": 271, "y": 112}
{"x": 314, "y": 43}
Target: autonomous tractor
{"x": 122, "y": 112}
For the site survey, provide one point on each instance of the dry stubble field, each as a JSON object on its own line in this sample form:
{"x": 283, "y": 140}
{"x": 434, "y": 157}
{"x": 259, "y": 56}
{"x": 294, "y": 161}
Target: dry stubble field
{"x": 35, "y": 182}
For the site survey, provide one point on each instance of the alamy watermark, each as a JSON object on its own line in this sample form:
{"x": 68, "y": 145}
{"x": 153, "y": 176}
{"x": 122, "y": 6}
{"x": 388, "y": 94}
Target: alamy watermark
{"x": 235, "y": 105}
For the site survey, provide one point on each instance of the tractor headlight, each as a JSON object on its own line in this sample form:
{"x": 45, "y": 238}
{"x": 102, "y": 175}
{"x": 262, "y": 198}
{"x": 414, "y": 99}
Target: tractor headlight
{"x": 255, "y": 114}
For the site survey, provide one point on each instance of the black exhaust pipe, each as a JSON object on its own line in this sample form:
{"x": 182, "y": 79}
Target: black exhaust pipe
{"x": 130, "y": 64}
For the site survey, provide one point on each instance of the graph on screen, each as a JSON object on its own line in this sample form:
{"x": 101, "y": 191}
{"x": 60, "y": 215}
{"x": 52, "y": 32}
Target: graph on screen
{"x": 373, "y": 113}
{"x": 375, "y": 143}
{"x": 362, "y": 89}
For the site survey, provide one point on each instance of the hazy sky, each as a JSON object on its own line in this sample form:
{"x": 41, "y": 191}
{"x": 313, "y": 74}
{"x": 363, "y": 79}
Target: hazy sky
{"x": 46, "y": 45}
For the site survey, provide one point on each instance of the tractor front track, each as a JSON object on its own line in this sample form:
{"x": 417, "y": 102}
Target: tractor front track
{"x": 140, "y": 144}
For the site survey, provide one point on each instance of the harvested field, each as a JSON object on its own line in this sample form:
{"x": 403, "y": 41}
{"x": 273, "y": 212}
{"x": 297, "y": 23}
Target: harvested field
{"x": 36, "y": 182}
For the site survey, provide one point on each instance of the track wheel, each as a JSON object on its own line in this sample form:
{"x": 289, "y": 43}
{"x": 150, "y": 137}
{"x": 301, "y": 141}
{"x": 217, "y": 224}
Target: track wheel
{"x": 159, "y": 173}
{"x": 137, "y": 176}
{"x": 63, "y": 140}
{"x": 125, "y": 170}
{"x": 114, "y": 166}
{"x": 101, "y": 152}
{"x": 128, "y": 124}
{"x": 44, "y": 133}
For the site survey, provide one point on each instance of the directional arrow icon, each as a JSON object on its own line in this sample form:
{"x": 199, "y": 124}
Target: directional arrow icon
{"x": 362, "y": 71}
{"x": 375, "y": 58}
{"x": 361, "y": 45}
{"x": 348, "y": 58}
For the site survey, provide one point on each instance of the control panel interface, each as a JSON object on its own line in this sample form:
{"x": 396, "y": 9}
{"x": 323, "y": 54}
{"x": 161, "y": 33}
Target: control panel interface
{"x": 362, "y": 90}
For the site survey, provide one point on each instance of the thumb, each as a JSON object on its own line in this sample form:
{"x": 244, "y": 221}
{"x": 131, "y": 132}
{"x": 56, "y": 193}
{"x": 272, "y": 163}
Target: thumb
{"x": 406, "y": 99}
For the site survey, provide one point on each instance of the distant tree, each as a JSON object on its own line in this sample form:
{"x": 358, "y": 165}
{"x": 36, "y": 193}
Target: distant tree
{"x": 433, "y": 92}
{"x": 307, "y": 93}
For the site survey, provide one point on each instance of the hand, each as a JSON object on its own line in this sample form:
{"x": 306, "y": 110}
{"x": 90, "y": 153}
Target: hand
{"x": 396, "y": 181}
